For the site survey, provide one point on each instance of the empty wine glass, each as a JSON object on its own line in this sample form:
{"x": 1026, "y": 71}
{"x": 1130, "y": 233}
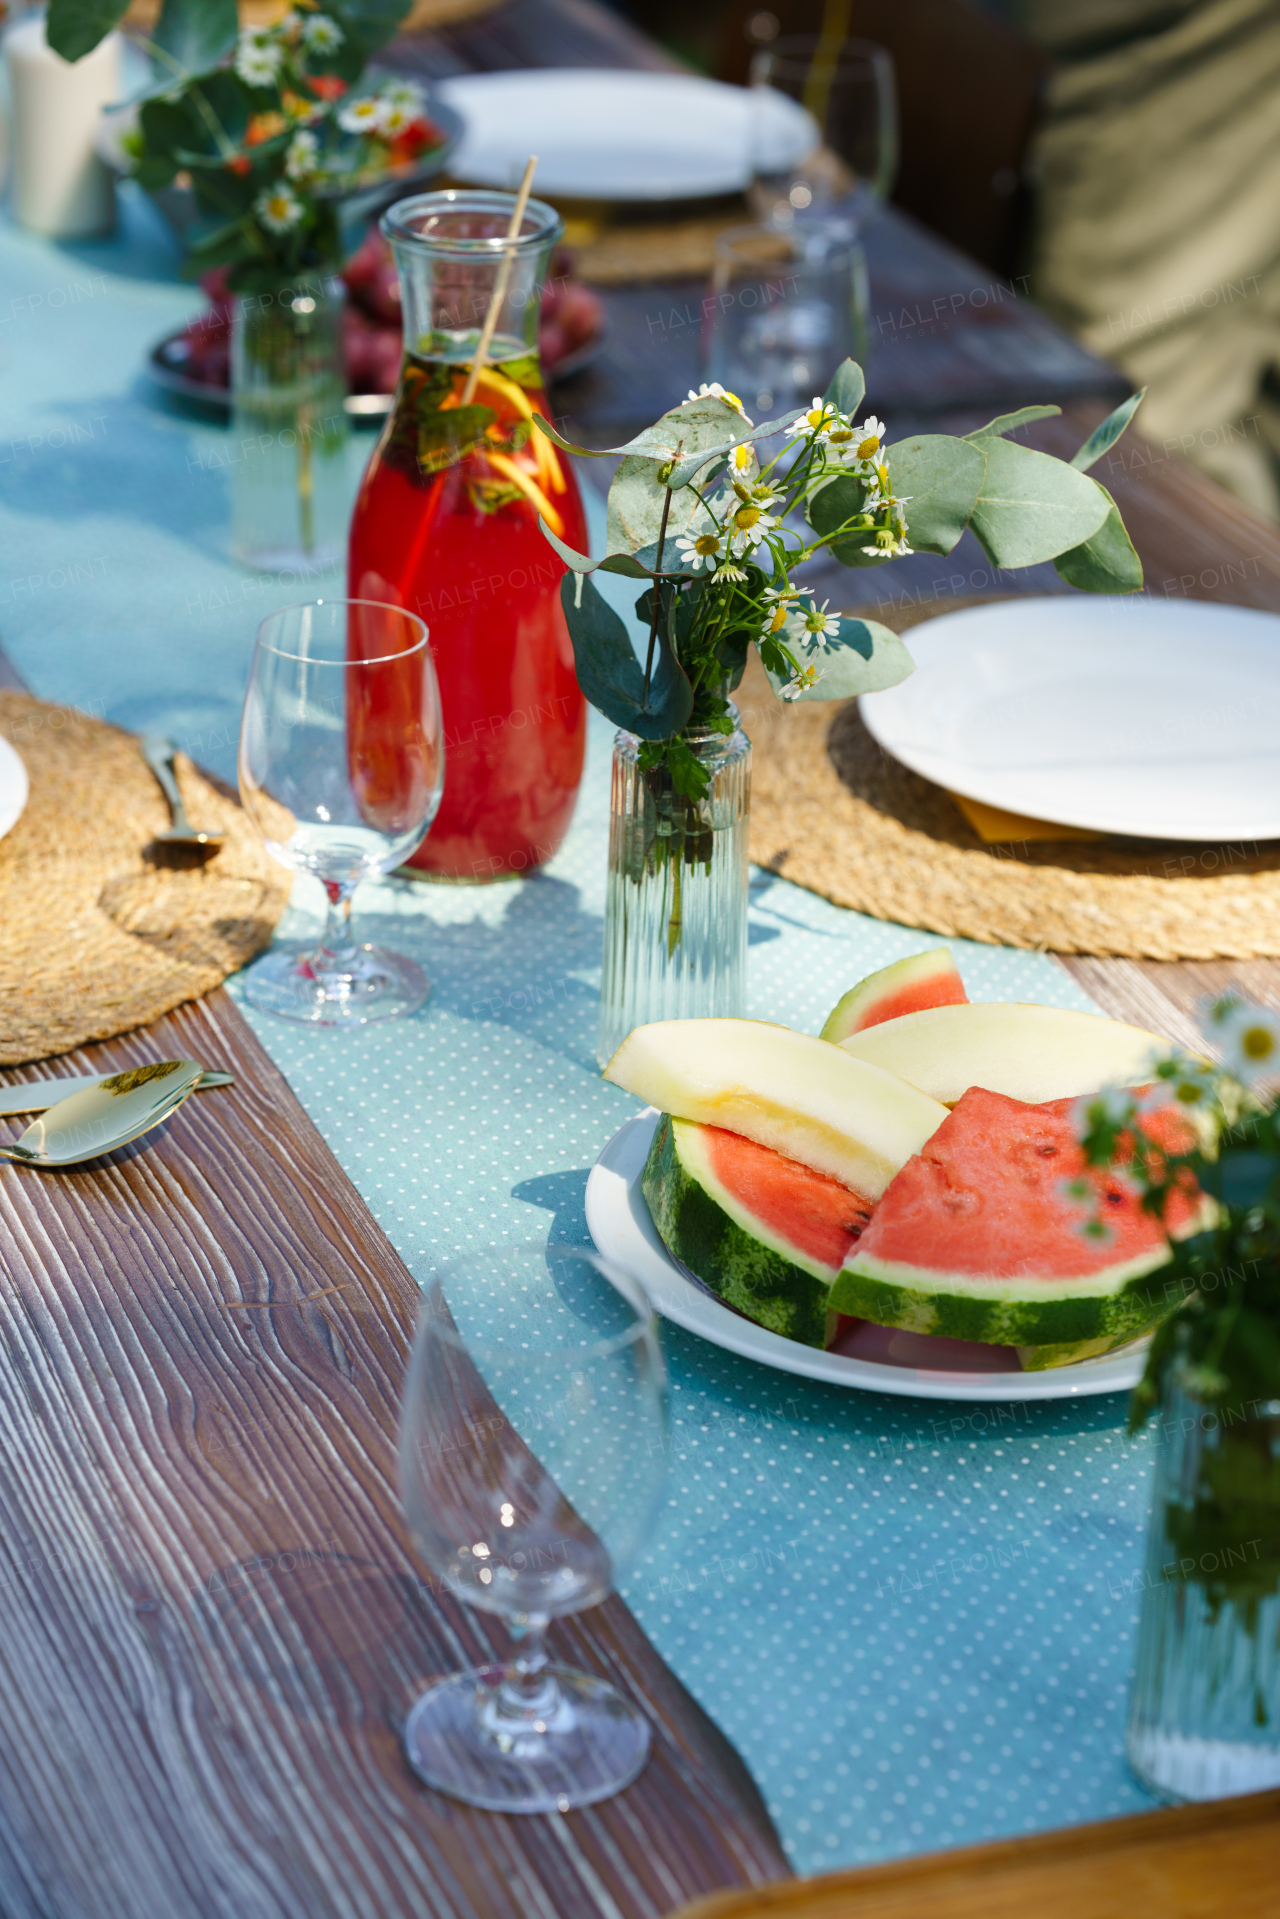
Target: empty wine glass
{"x": 341, "y": 769}
{"x": 532, "y": 1460}
{"x": 824, "y": 130}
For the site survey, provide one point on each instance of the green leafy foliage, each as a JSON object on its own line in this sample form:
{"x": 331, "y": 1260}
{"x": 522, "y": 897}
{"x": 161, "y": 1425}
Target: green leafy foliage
{"x": 75, "y": 27}
{"x": 940, "y": 479}
{"x": 861, "y": 657}
{"x": 1104, "y": 437}
{"x": 609, "y": 673}
{"x": 1106, "y": 562}
{"x": 833, "y": 507}
{"x": 191, "y": 36}
{"x": 1010, "y": 422}
{"x": 848, "y": 387}
{"x": 1032, "y": 507}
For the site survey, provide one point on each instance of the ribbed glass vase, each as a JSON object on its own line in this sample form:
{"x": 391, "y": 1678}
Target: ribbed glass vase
{"x": 1204, "y": 1715}
{"x": 675, "y": 934}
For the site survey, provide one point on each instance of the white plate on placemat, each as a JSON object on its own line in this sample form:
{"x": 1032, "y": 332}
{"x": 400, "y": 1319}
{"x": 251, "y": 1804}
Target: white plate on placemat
{"x": 602, "y": 134}
{"x": 1158, "y": 719}
{"x": 13, "y": 788}
{"x": 619, "y": 1222}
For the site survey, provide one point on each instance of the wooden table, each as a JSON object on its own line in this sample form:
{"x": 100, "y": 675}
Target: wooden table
{"x": 213, "y": 1623}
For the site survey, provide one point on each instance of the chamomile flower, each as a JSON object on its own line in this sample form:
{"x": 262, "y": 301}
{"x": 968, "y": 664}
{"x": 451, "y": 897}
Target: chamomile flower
{"x": 742, "y": 459}
{"x": 279, "y": 209}
{"x": 259, "y": 57}
{"x": 890, "y": 544}
{"x": 393, "y": 118}
{"x": 361, "y": 116}
{"x": 301, "y": 160}
{"x": 869, "y": 437}
{"x": 321, "y": 35}
{"x": 730, "y": 574}
{"x": 1250, "y": 1038}
{"x": 701, "y": 549}
{"x": 777, "y": 607}
{"x": 747, "y": 525}
{"x": 406, "y": 94}
{"x": 714, "y": 391}
{"x": 815, "y": 623}
{"x": 806, "y": 678}
{"x": 816, "y": 420}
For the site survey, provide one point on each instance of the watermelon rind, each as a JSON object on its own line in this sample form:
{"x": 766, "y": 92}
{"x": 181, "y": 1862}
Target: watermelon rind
{"x": 916, "y": 975}
{"x": 1111, "y": 1305}
{"x": 706, "y": 1229}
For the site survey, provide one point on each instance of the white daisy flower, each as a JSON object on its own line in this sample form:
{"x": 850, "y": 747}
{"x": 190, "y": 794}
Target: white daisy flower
{"x": 321, "y": 35}
{"x": 870, "y": 437}
{"x": 714, "y": 391}
{"x": 808, "y": 677}
{"x": 403, "y": 93}
{"x": 816, "y": 420}
{"x": 278, "y": 208}
{"x": 360, "y": 116}
{"x": 394, "y": 118}
{"x": 729, "y": 573}
{"x": 1250, "y": 1038}
{"x": 748, "y": 523}
{"x": 259, "y": 57}
{"x": 701, "y": 549}
{"x": 742, "y": 459}
{"x": 816, "y": 623}
{"x": 891, "y": 544}
{"x": 777, "y": 606}
{"x": 302, "y": 157}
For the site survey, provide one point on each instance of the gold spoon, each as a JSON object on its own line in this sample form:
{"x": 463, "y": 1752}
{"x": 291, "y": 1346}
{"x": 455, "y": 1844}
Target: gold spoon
{"x": 110, "y": 1114}
{"x": 159, "y": 754}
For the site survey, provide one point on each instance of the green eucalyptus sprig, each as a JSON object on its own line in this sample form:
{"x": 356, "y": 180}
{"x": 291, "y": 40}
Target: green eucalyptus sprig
{"x": 717, "y": 538}
{"x": 262, "y": 121}
{"x": 1220, "y": 1343}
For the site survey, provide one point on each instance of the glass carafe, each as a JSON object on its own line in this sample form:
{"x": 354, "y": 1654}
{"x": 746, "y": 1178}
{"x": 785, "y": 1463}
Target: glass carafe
{"x": 446, "y": 525}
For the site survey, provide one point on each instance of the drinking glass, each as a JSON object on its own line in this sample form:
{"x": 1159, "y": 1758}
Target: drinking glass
{"x": 533, "y": 1444}
{"x": 785, "y": 308}
{"x": 824, "y": 125}
{"x": 341, "y": 767}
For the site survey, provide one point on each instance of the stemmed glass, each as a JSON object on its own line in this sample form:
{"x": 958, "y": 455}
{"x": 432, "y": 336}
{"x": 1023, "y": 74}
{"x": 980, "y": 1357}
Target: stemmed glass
{"x": 829, "y": 147}
{"x": 341, "y": 770}
{"x": 531, "y": 1465}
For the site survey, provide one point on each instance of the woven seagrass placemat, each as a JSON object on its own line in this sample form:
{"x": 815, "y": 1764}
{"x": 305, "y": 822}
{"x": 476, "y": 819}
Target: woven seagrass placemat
{"x": 103, "y": 930}
{"x": 835, "y": 813}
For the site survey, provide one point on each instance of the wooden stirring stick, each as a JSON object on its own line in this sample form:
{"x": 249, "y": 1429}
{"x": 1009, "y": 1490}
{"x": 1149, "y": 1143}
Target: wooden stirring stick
{"x": 499, "y": 286}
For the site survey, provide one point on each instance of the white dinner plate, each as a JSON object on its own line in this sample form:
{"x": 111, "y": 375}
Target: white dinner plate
{"x": 13, "y": 788}
{"x": 1154, "y": 718}
{"x": 620, "y": 1225}
{"x": 601, "y": 134}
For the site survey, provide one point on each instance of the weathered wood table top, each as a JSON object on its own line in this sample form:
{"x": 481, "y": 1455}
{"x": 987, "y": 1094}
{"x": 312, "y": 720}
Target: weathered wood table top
{"x": 213, "y": 1625}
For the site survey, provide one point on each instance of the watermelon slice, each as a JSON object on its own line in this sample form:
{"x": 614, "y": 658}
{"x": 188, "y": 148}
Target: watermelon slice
{"x": 765, "y": 1233}
{"x": 974, "y": 1240}
{"x": 808, "y": 1101}
{"x": 908, "y": 986}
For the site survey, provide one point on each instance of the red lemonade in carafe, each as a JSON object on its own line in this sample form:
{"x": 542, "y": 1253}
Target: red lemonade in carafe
{"x": 446, "y": 525}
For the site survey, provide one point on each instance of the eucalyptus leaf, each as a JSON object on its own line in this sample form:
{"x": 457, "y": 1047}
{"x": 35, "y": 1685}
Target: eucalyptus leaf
{"x": 1006, "y": 422}
{"x": 700, "y": 426}
{"x": 848, "y": 387}
{"x": 831, "y": 507}
{"x": 581, "y": 563}
{"x": 1105, "y": 436}
{"x": 636, "y": 501}
{"x": 195, "y": 35}
{"x": 688, "y": 469}
{"x": 611, "y": 676}
{"x": 1106, "y": 562}
{"x": 74, "y": 27}
{"x": 862, "y": 657}
{"x": 371, "y": 23}
{"x": 1031, "y": 507}
{"x": 940, "y": 479}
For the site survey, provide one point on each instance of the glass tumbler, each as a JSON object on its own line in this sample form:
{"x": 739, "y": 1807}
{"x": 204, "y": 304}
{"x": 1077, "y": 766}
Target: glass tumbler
{"x": 533, "y": 1442}
{"x": 341, "y": 768}
{"x": 824, "y": 129}
{"x": 784, "y": 309}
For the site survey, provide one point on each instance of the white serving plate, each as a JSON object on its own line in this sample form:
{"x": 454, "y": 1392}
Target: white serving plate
{"x": 1154, "y": 718}
{"x": 619, "y": 1223}
{"x": 601, "y": 134}
{"x": 13, "y": 788}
